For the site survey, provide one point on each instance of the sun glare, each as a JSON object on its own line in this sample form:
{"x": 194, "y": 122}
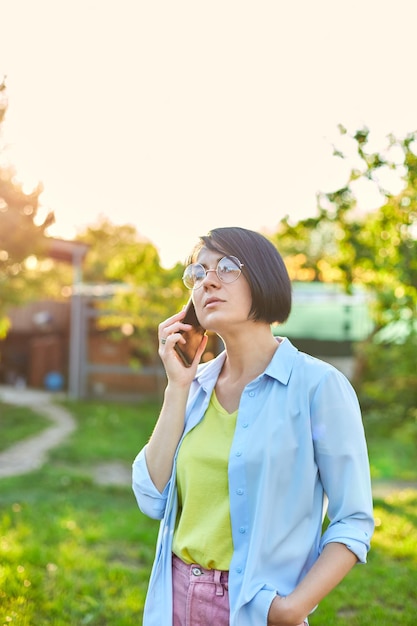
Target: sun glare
{"x": 31, "y": 262}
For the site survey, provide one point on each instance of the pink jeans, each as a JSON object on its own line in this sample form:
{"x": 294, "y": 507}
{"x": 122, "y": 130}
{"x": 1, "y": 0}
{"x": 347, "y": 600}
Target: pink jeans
{"x": 200, "y": 596}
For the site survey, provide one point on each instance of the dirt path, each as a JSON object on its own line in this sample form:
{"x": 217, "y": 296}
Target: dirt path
{"x": 30, "y": 454}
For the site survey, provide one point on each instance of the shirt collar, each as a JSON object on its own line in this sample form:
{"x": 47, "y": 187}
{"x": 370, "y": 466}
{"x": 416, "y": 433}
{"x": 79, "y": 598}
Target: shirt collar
{"x": 282, "y": 363}
{"x": 208, "y": 372}
{"x": 280, "y": 366}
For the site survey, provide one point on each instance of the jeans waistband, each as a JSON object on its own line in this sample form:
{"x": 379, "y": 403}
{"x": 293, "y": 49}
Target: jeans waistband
{"x": 198, "y": 573}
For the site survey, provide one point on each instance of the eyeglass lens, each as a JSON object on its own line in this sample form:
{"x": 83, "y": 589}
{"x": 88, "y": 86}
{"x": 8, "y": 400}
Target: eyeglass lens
{"x": 228, "y": 270}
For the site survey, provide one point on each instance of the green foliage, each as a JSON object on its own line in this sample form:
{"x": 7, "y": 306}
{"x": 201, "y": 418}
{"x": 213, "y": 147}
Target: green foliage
{"x": 310, "y": 248}
{"x": 4, "y": 326}
{"x": 387, "y": 386}
{"x": 376, "y": 249}
{"x": 20, "y": 236}
{"x": 108, "y": 245}
{"x": 144, "y": 292}
{"x": 392, "y": 455}
{"x": 379, "y": 248}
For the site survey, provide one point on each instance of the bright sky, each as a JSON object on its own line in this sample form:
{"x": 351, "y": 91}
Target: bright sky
{"x": 180, "y": 116}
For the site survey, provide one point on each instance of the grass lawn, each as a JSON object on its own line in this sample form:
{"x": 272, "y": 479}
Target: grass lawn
{"x": 383, "y": 592}
{"x": 19, "y": 422}
{"x": 393, "y": 458}
{"x": 73, "y": 552}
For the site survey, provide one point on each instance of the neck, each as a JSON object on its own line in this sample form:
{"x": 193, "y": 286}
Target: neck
{"x": 248, "y": 355}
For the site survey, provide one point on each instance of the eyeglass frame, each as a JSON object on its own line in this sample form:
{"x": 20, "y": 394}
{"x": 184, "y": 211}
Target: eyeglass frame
{"x": 233, "y": 258}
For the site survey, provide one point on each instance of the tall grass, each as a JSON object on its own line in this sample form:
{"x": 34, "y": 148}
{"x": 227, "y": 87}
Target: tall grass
{"x": 74, "y": 552}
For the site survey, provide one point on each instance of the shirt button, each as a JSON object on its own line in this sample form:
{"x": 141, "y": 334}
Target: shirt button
{"x": 245, "y": 425}
{"x": 251, "y": 394}
{"x": 238, "y": 453}
{"x": 242, "y": 530}
{"x": 239, "y": 492}
{"x": 239, "y": 570}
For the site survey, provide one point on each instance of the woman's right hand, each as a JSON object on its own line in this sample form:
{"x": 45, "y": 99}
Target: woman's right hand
{"x": 169, "y": 335}
{"x": 161, "y": 447}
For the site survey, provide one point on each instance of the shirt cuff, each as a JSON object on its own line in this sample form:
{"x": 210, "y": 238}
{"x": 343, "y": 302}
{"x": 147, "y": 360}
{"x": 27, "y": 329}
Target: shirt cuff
{"x": 150, "y": 501}
{"x": 258, "y": 607}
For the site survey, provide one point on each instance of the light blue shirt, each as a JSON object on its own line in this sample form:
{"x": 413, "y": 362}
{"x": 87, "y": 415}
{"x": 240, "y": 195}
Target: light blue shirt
{"x": 299, "y": 441}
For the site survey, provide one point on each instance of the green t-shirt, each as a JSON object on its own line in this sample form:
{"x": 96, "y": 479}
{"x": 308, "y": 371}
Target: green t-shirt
{"x": 203, "y": 532}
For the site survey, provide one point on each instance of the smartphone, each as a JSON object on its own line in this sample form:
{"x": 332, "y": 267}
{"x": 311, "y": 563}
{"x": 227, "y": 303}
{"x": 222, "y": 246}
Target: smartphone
{"x": 193, "y": 337}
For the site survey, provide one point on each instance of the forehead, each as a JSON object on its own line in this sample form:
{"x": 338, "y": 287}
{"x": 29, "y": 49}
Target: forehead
{"x": 208, "y": 257}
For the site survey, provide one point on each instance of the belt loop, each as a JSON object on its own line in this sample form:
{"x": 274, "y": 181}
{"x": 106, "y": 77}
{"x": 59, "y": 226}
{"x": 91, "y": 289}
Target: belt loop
{"x": 219, "y": 585}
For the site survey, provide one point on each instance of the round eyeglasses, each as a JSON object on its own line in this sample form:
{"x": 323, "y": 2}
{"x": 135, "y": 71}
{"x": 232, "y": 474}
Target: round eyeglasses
{"x": 228, "y": 270}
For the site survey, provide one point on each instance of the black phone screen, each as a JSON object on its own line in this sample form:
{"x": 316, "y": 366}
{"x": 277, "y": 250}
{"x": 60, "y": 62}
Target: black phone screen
{"x": 193, "y": 336}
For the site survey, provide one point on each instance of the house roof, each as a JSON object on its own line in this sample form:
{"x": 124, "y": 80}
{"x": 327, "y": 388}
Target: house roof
{"x": 65, "y": 250}
{"x": 323, "y": 311}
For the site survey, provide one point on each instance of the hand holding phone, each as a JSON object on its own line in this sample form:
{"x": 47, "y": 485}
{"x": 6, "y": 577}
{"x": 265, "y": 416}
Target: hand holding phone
{"x": 193, "y": 337}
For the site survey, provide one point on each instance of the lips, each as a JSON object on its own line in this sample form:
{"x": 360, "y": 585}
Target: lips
{"x": 212, "y": 301}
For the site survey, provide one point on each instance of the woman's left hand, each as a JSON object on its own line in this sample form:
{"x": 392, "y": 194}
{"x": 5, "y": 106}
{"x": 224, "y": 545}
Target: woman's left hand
{"x": 281, "y": 613}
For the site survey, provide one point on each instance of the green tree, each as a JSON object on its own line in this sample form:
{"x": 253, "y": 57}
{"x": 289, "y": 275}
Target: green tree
{"x": 376, "y": 249}
{"x": 379, "y": 248}
{"x": 20, "y": 234}
{"x": 140, "y": 293}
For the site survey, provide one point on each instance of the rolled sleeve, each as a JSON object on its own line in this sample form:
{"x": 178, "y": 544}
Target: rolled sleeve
{"x": 342, "y": 459}
{"x": 150, "y": 501}
{"x": 353, "y": 536}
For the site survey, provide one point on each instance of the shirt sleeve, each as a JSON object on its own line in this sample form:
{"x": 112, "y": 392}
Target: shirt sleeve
{"x": 342, "y": 459}
{"x": 150, "y": 501}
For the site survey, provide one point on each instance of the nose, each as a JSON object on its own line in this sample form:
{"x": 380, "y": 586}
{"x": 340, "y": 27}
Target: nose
{"x": 207, "y": 274}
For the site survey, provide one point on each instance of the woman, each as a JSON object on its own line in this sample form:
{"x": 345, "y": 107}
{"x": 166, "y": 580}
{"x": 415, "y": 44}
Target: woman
{"x": 247, "y": 449}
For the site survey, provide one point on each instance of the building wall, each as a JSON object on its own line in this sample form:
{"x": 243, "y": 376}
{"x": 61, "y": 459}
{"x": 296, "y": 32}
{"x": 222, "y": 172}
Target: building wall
{"x": 47, "y": 354}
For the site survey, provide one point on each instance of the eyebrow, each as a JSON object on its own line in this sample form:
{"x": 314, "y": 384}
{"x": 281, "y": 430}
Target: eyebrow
{"x": 216, "y": 262}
